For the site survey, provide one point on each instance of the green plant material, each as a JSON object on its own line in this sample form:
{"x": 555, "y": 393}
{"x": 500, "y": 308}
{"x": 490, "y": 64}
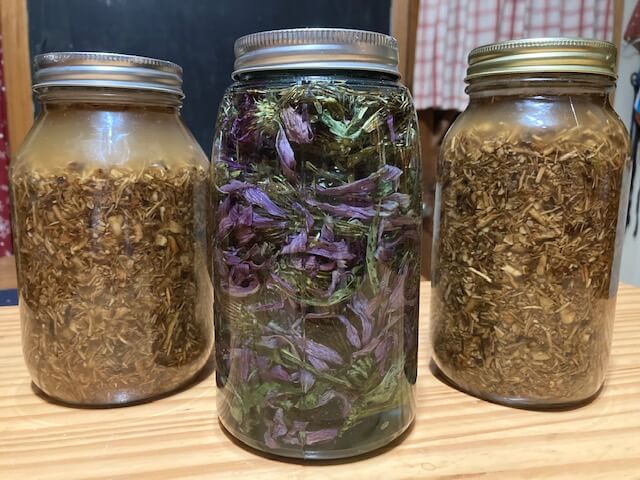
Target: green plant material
{"x": 316, "y": 256}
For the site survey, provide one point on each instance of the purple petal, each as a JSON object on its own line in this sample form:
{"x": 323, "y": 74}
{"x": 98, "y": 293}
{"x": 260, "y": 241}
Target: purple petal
{"x": 307, "y": 380}
{"x": 359, "y": 307}
{"x": 234, "y": 186}
{"x": 318, "y": 364}
{"x": 322, "y": 352}
{"x": 279, "y": 427}
{"x": 260, "y": 222}
{"x": 326, "y": 233}
{"x": 402, "y": 199}
{"x": 393, "y": 136}
{"x": 396, "y": 299}
{"x": 345, "y": 211}
{"x": 298, "y": 130}
{"x": 319, "y": 436}
{"x": 332, "y": 250}
{"x": 381, "y": 352}
{"x": 292, "y": 437}
{"x": 297, "y": 244}
{"x": 283, "y": 284}
{"x": 308, "y": 218}
{"x": 364, "y": 186}
{"x": 279, "y": 373}
{"x": 368, "y": 348}
{"x": 352, "y": 333}
{"x": 287, "y": 158}
{"x": 242, "y": 282}
{"x": 257, "y": 197}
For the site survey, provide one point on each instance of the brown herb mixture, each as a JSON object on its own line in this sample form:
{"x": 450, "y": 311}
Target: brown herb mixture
{"x": 113, "y": 280}
{"x": 523, "y": 298}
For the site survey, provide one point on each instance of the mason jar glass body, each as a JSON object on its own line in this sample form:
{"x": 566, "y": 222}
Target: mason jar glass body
{"x": 110, "y": 195}
{"x": 532, "y": 188}
{"x": 316, "y": 259}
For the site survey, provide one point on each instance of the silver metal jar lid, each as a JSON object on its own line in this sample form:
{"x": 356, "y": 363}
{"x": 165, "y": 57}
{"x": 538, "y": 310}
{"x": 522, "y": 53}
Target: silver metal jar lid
{"x": 316, "y": 48}
{"x": 112, "y": 70}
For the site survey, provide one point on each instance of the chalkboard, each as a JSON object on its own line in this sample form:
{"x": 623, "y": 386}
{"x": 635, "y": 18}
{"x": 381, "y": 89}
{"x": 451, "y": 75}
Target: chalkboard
{"x": 197, "y": 34}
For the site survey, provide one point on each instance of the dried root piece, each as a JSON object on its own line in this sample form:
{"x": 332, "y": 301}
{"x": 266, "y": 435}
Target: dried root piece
{"x": 523, "y": 292}
{"x": 115, "y": 296}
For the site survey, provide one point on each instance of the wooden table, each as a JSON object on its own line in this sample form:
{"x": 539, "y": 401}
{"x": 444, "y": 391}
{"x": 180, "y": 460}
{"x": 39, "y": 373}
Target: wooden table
{"x": 454, "y": 436}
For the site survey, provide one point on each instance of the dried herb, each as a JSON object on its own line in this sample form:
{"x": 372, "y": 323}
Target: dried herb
{"x": 115, "y": 295}
{"x": 316, "y": 256}
{"x": 525, "y": 275}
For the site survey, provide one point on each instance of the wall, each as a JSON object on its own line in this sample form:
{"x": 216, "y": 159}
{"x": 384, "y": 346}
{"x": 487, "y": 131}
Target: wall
{"x": 196, "y": 34}
{"x": 628, "y": 63}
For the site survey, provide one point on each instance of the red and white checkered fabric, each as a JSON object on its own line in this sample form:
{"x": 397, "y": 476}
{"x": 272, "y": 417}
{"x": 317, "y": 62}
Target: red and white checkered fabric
{"x": 449, "y": 29}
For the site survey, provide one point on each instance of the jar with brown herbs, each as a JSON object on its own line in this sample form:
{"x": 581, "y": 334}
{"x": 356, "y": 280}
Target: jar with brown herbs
{"x": 110, "y": 197}
{"x": 531, "y": 194}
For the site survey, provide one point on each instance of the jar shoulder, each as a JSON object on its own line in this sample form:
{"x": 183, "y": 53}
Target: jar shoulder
{"x": 99, "y": 138}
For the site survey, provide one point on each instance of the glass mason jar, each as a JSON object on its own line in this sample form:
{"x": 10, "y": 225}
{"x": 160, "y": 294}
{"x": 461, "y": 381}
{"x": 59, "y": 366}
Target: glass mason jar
{"x": 533, "y": 182}
{"x": 110, "y": 194}
{"x": 316, "y": 175}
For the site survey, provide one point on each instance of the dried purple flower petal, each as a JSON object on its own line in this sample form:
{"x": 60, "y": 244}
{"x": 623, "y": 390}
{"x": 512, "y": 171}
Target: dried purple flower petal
{"x": 307, "y": 380}
{"x": 257, "y": 197}
{"x": 308, "y": 218}
{"x": 345, "y": 211}
{"x": 287, "y": 158}
{"x": 326, "y": 233}
{"x": 298, "y": 130}
{"x": 241, "y": 281}
{"x": 332, "y": 250}
{"x": 393, "y": 136}
{"x": 381, "y": 352}
{"x": 320, "y": 436}
{"x": 318, "y": 364}
{"x": 364, "y": 186}
{"x": 322, "y": 352}
{"x": 352, "y": 333}
{"x": 297, "y": 244}
{"x": 359, "y": 307}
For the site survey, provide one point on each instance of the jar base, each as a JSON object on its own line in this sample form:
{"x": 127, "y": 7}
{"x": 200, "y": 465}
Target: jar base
{"x": 513, "y": 402}
{"x": 127, "y": 399}
{"x": 319, "y": 454}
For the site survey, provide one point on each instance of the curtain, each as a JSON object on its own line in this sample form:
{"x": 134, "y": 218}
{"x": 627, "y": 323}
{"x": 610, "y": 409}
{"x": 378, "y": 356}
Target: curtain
{"x": 449, "y": 29}
{"x": 5, "y": 224}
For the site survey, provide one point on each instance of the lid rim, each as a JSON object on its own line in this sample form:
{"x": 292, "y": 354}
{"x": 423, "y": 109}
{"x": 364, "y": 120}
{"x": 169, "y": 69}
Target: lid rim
{"x": 540, "y": 55}
{"x": 318, "y": 48}
{"x": 108, "y": 70}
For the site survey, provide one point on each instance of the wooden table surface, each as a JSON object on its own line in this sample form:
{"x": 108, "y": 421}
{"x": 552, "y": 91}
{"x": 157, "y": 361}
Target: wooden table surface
{"x": 454, "y": 436}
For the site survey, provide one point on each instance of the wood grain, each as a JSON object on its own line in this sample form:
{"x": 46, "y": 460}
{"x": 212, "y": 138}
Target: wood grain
{"x": 7, "y": 273}
{"x": 17, "y": 70}
{"x": 454, "y": 436}
{"x": 404, "y": 26}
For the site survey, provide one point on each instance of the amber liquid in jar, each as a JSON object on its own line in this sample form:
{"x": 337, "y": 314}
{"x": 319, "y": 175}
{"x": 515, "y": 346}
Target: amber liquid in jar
{"x": 110, "y": 195}
{"x": 532, "y": 189}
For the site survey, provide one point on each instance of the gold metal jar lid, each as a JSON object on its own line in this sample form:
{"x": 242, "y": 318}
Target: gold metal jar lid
{"x": 543, "y": 55}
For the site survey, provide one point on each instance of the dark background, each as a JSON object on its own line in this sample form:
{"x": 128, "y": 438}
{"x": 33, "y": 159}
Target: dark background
{"x": 196, "y": 34}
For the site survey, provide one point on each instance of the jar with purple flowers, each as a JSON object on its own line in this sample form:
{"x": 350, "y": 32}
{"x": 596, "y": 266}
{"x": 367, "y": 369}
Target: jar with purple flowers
{"x": 316, "y": 244}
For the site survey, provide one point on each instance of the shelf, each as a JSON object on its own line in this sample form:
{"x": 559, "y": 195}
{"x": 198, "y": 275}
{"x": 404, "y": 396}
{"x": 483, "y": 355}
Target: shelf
{"x": 454, "y": 436}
